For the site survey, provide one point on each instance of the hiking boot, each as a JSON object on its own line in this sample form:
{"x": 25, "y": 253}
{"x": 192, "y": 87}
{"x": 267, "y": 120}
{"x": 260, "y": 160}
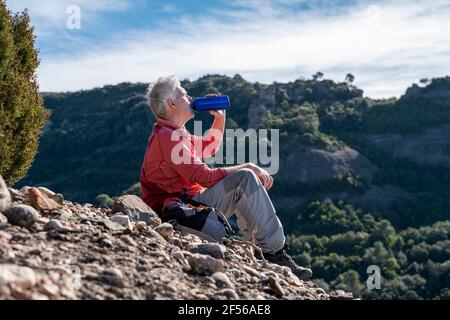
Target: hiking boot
{"x": 283, "y": 259}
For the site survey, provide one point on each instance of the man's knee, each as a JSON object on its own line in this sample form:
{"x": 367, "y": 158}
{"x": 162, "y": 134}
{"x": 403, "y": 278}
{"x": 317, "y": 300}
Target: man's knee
{"x": 248, "y": 174}
{"x": 240, "y": 179}
{"x": 249, "y": 182}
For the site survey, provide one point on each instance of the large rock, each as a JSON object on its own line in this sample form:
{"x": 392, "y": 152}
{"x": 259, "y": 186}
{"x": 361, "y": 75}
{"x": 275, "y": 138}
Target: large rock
{"x": 15, "y": 276}
{"x": 5, "y": 197}
{"x": 214, "y": 250}
{"x": 41, "y": 200}
{"x": 205, "y": 265}
{"x": 22, "y": 215}
{"x": 59, "y": 198}
{"x": 57, "y": 226}
{"x": 123, "y": 220}
{"x": 165, "y": 229}
{"x": 134, "y": 207}
{"x": 222, "y": 280}
{"x": 46, "y": 191}
{"x": 111, "y": 225}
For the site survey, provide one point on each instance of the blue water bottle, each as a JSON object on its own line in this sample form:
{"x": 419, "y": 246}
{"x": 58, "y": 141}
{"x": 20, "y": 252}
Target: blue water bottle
{"x": 211, "y": 103}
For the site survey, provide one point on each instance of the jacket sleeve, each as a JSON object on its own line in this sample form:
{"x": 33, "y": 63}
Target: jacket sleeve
{"x": 205, "y": 147}
{"x": 181, "y": 156}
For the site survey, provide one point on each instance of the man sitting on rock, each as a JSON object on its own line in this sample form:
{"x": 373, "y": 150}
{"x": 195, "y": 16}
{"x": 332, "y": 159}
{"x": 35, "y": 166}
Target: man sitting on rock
{"x": 239, "y": 190}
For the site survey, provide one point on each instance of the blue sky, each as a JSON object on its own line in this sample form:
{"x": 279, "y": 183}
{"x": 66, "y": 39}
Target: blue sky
{"x": 386, "y": 44}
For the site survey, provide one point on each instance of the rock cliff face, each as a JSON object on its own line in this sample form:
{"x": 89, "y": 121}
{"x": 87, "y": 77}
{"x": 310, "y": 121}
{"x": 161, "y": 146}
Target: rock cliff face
{"x": 55, "y": 249}
{"x": 317, "y": 165}
{"x": 431, "y": 147}
{"x": 314, "y": 165}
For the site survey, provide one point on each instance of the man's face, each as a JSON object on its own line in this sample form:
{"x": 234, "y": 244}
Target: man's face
{"x": 182, "y": 103}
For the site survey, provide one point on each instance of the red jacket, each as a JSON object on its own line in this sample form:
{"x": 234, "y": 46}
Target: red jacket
{"x": 163, "y": 177}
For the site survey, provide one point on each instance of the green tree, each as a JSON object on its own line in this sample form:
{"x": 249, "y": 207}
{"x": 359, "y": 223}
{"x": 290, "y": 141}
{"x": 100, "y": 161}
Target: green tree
{"x": 349, "y": 281}
{"x": 21, "y": 109}
{"x": 424, "y": 81}
{"x": 105, "y": 200}
{"x": 318, "y": 76}
{"x": 134, "y": 189}
{"x": 349, "y": 78}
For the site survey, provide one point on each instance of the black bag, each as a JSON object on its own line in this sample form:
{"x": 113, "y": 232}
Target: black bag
{"x": 190, "y": 216}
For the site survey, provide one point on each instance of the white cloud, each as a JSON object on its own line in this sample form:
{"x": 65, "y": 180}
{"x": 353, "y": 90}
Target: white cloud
{"x": 51, "y": 9}
{"x": 46, "y": 15}
{"x": 387, "y": 47}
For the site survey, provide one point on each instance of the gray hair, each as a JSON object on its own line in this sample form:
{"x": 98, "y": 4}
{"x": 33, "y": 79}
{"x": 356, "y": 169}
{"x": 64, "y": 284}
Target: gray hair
{"x": 161, "y": 90}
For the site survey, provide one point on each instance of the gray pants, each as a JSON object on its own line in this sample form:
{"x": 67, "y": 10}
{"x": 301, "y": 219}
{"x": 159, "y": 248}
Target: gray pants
{"x": 242, "y": 193}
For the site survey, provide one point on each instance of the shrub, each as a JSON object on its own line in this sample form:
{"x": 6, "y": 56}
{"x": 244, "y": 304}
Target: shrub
{"x": 21, "y": 110}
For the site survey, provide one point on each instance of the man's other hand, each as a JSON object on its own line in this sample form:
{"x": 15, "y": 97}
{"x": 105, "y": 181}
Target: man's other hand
{"x": 265, "y": 178}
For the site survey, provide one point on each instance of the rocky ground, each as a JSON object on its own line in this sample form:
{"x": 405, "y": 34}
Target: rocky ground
{"x": 55, "y": 249}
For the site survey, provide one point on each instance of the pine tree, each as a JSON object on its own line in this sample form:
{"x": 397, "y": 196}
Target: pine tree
{"x": 22, "y": 114}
